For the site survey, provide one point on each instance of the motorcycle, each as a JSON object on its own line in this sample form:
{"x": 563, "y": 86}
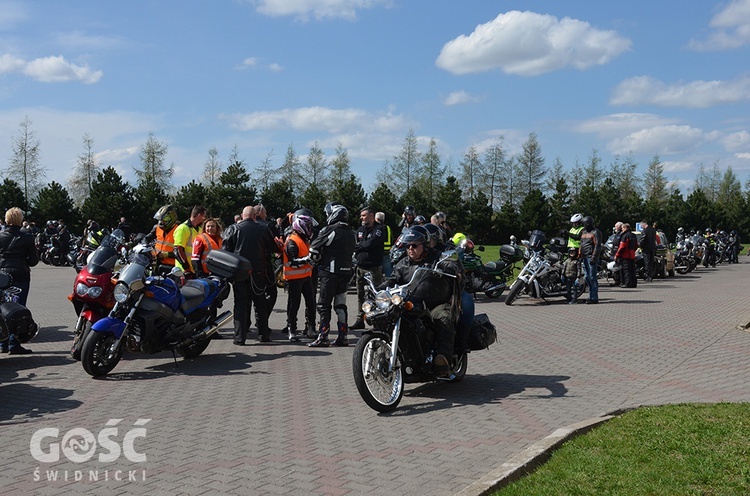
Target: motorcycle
{"x": 491, "y": 278}
{"x": 542, "y": 276}
{"x": 399, "y": 349}
{"x": 155, "y": 313}
{"x": 93, "y": 289}
{"x": 16, "y": 318}
{"x": 684, "y": 260}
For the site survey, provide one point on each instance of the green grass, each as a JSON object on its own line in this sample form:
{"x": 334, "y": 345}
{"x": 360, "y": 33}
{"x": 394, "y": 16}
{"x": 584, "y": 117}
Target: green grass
{"x": 666, "y": 450}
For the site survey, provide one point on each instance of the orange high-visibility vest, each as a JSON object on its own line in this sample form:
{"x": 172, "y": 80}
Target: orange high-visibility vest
{"x": 165, "y": 244}
{"x": 302, "y": 271}
{"x": 208, "y": 245}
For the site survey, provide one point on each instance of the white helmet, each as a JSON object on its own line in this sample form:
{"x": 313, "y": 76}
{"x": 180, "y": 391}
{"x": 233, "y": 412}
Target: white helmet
{"x": 576, "y": 218}
{"x": 613, "y": 267}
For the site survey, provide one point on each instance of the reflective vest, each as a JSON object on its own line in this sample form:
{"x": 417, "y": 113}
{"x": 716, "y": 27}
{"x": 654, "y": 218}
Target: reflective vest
{"x": 388, "y": 240}
{"x": 575, "y": 243}
{"x": 208, "y": 244}
{"x": 291, "y": 273}
{"x": 165, "y": 245}
{"x": 192, "y": 233}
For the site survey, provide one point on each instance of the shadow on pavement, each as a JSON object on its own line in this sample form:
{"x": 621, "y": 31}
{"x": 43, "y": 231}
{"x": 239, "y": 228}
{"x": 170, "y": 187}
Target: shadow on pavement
{"x": 24, "y": 402}
{"x": 53, "y": 334}
{"x": 481, "y": 390}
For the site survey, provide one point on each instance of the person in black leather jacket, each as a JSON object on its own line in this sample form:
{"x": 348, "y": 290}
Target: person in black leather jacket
{"x": 254, "y": 241}
{"x": 439, "y": 296}
{"x": 331, "y": 251}
{"x": 17, "y": 255}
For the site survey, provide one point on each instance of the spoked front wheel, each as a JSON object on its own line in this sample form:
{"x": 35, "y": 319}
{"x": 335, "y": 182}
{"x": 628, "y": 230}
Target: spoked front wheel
{"x": 515, "y": 289}
{"x": 382, "y": 390}
{"x": 99, "y": 355}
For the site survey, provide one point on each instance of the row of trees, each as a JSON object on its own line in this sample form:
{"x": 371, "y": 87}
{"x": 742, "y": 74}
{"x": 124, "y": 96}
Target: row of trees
{"x": 489, "y": 196}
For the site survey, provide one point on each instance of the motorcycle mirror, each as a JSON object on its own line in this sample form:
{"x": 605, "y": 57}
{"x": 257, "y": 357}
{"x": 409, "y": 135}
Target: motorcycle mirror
{"x": 449, "y": 256}
{"x": 480, "y": 248}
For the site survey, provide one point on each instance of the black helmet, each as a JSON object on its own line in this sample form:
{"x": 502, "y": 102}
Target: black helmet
{"x": 588, "y": 222}
{"x": 166, "y": 216}
{"x": 335, "y": 212}
{"x": 708, "y": 230}
{"x": 436, "y": 233}
{"x": 415, "y": 235}
{"x": 419, "y": 219}
{"x": 409, "y": 210}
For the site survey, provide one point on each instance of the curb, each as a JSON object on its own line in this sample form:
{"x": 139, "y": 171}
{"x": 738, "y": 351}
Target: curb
{"x": 534, "y": 456}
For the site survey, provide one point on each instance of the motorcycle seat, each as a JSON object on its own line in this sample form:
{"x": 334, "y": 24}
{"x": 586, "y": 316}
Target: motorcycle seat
{"x": 495, "y": 266}
{"x": 194, "y": 293}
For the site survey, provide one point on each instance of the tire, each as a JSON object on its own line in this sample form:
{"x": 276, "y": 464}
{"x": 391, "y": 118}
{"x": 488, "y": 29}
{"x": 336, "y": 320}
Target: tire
{"x": 94, "y": 355}
{"x": 195, "y": 349}
{"x": 514, "y": 290}
{"x": 459, "y": 368}
{"x": 494, "y": 294}
{"x": 382, "y": 392}
{"x": 75, "y": 351}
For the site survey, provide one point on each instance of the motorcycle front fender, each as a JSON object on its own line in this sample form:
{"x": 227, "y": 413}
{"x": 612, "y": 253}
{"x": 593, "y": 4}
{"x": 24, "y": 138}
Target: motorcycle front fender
{"x": 109, "y": 324}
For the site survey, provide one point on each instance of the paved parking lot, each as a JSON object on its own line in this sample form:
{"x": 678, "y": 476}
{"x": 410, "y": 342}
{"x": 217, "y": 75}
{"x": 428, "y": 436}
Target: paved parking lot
{"x": 283, "y": 418}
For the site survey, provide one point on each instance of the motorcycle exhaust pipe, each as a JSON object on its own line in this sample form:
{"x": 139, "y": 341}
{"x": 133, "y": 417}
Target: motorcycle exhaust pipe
{"x": 210, "y": 329}
{"x": 495, "y": 287}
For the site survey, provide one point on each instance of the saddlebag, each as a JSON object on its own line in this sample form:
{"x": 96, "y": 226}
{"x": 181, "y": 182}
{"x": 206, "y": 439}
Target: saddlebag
{"x": 228, "y": 265}
{"x": 511, "y": 253}
{"x": 482, "y": 333}
{"x": 18, "y": 319}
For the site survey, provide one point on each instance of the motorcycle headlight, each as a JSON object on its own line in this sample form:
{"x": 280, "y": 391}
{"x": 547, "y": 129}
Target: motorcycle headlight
{"x": 121, "y": 292}
{"x": 396, "y": 299}
{"x": 81, "y": 289}
{"x": 368, "y": 306}
{"x": 383, "y": 300}
{"x": 95, "y": 291}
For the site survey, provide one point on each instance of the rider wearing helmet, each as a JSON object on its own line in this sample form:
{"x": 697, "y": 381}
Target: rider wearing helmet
{"x": 437, "y": 237}
{"x": 163, "y": 232}
{"x": 298, "y": 274}
{"x": 438, "y": 297}
{"x": 574, "y": 233}
{"x": 420, "y": 220}
{"x": 332, "y": 251}
{"x": 407, "y": 218}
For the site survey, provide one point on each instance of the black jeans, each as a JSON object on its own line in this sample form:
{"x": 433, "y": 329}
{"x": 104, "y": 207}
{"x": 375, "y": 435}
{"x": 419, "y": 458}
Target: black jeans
{"x": 247, "y": 293}
{"x": 299, "y": 288}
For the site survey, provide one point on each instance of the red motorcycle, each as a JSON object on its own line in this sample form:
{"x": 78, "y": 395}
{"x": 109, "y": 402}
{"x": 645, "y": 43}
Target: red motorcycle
{"x": 93, "y": 289}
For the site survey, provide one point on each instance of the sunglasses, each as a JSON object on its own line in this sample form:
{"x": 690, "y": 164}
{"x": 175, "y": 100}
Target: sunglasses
{"x": 411, "y": 246}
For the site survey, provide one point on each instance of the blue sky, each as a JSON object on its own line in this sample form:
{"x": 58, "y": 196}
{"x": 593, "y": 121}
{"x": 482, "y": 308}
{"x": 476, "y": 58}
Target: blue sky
{"x": 641, "y": 78}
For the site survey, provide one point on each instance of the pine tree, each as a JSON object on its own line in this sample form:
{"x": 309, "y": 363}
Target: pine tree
{"x": 531, "y": 169}
{"x": 110, "y": 199}
{"x": 315, "y": 168}
{"x": 85, "y": 172}
{"x": 53, "y": 203}
{"x": 11, "y": 195}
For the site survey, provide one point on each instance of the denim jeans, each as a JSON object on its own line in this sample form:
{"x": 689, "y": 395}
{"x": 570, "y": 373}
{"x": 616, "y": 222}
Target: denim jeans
{"x": 589, "y": 271}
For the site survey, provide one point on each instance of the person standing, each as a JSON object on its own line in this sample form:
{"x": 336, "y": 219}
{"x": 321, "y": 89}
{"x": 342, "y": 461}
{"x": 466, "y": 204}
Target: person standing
{"x": 184, "y": 234}
{"x": 648, "y": 249}
{"x": 387, "y": 244}
{"x": 574, "y": 233}
{"x": 17, "y": 255}
{"x": 298, "y": 275}
{"x": 254, "y": 242}
{"x": 590, "y": 251}
{"x": 331, "y": 251}
{"x": 571, "y": 271}
{"x": 203, "y": 244}
{"x": 616, "y": 234}
{"x": 626, "y": 256}
{"x": 369, "y": 253}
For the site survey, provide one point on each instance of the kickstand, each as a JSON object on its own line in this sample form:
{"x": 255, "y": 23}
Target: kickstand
{"x": 174, "y": 355}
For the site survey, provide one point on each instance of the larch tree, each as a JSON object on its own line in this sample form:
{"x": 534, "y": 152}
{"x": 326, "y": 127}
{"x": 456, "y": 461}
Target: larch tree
{"x": 212, "y": 168}
{"x": 85, "y": 172}
{"x": 25, "y": 164}
{"x": 531, "y": 168}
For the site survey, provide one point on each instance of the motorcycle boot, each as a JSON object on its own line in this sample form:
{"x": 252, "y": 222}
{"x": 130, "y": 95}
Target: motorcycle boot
{"x": 442, "y": 367}
{"x": 310, "y": 330}
{"x": 293, "y": 335}
{"x": 359, "y": 324}
{"x": 341, "y": 339}
{"x": 322, "y": 339}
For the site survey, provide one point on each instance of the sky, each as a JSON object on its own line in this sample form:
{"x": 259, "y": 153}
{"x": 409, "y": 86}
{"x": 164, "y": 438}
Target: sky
{"x": 636, "y": 78}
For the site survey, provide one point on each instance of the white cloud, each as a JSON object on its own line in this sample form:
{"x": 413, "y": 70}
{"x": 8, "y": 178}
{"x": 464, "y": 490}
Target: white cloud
{"x": 730, "y": 28}
{"x": 459, "y": 98}
{"x": 695, "y": 94}
{"x": 529, "y": 44}
{"x": 320, "y": 9}
{"x": 49, "y": 69}
{"x": 676, "y": 166}
{"x": 615, "y": 125}
{"x": 737, "y": 141}
{"x": 248, "y": 63}
{"x": 310, "y": 119}
{"x": 664, "y": 140}
{"x": 254, "y": 63}
{"x": 78, "y": 40}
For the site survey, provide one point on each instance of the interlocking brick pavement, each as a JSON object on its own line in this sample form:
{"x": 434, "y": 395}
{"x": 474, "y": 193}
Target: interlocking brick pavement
{"x": 283, "y": 418}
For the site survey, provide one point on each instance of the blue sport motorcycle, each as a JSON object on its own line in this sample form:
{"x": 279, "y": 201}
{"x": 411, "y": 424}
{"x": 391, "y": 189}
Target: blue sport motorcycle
{"x": 154, "y": 313}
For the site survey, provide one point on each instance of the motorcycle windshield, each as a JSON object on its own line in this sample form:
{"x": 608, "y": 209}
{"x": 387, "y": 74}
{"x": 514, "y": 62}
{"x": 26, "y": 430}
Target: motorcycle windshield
{"x": 101, "y": 261}
{"x": 536, "y": 240}
{"x": 136, "y": 270}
